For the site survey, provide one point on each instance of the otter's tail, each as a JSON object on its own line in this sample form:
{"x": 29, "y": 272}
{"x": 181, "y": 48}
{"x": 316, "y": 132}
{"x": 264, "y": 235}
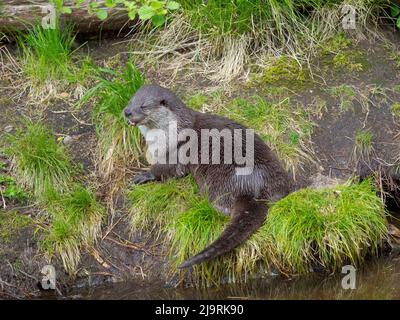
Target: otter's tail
{"x": 248, "y": 215}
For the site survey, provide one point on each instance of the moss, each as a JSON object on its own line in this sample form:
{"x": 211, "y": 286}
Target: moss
{"x": 283, "y": 71}
{"x": 10, "y": 223}
{"x": 329, "y": 227}
{"x": 339, "y": 53}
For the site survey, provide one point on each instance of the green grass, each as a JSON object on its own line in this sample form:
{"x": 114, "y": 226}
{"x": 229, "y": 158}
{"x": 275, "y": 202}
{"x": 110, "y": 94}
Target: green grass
{"x": 76, "y": 223}
{"x": 43, "y": 166}
{"x": 363, "y": 143}
{"x": 235, "y": 17}
{"x": 119, "y": 143}
{"x": 329, "y": 227}
{"x": 154, "y": 204}
{"x": 39, "y": 162}
{"x": 333, "y": 226}
{"x": 196, "y": 101}
{"x": 47, "y": 56}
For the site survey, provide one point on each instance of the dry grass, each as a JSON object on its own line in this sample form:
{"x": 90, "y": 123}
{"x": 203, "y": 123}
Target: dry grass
{"x": 223, "y": 51}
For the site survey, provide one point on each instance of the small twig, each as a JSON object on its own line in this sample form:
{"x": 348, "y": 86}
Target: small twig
{"x": 98, "y": 258}
{"x": 110, "y": 228}
{"x": 28, "y": 275}
{"x": 128, "y": 245}
{"x": 68, "y": 111}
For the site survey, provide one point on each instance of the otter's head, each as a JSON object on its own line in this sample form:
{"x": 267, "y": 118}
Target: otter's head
{"x": 154, "y": 107}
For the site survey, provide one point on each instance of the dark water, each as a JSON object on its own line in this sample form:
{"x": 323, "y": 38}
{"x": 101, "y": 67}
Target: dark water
{"x": 379, "y": 280}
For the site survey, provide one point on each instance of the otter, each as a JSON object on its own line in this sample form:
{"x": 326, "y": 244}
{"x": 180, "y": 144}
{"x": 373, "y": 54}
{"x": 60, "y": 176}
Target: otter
{"x": 245, "y": 197}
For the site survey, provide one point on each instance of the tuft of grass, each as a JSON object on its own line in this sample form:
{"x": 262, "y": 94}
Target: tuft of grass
{"x": 363, "y": 144}
{"x": 47, "y": 56}
{"x": 196, "y": 101}
{"x": 330, "y": 226}
{"x": 154, "y": 204}
{"x": 119, "y": 143}
{"x": 76, "y": 223}
{"x": 39, "y": 163}
{"x": 286, "y": 129}
{"x": 326, "y": 227}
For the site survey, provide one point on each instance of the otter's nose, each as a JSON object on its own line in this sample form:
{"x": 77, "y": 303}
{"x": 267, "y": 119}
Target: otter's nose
{"x": 127, "y": 112}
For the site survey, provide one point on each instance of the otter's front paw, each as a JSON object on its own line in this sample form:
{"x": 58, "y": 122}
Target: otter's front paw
{"x": 143, "y": 177}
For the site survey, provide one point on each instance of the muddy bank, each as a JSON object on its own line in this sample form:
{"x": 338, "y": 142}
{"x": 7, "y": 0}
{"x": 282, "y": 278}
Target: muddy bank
{"x": 120, "y": 256}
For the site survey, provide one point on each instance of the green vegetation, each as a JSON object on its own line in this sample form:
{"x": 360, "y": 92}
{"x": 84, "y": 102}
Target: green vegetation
{"x": 40, "y": 164}
{"x": 328, "y": 227}
{"x": 153, "y": 10}
{"x": 338, "y": 52}
{"x": 154, "y": 204}
{"x": 196, "y": 101}
{"x": 345, "y": 94}
{"x": 43, "y": 166}
{"x": 47, "y": 56}
{"x": 283, "y": 70}
{"x": 395, "y": 109}
{"x": 395, "y": 13}
{"x": 363, "y": 143}
{"x": 331, "y": 226}
{"x": 230, "y": 36}
{"x": 76, "y": 223}
{"x": 118, "y": 141}
{"x": 10, "y": 190}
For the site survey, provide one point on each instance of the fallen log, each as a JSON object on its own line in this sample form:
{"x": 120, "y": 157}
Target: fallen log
{"x": 22, "y": 14}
